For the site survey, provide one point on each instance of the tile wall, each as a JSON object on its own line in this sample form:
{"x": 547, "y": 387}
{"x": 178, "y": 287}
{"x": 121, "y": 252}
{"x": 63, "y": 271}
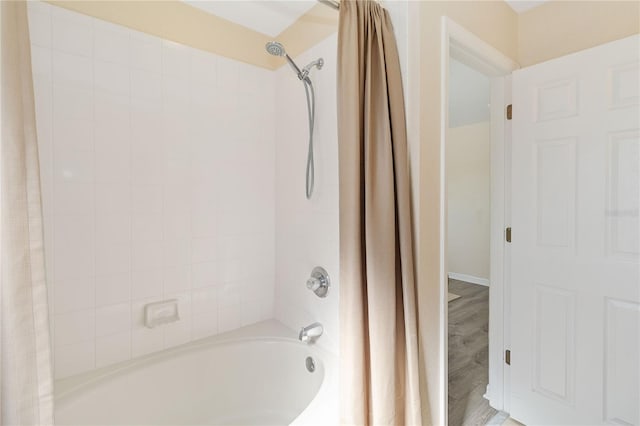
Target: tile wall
{"x": 307, "y": 230}
{"x": 158, "y": 172}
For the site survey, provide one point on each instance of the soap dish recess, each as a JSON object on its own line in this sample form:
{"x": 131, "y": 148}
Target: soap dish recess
{"x": 158, "y": 313}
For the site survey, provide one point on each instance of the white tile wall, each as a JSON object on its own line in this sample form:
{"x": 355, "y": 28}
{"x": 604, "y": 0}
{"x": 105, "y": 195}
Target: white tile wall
{"x": 158, "y": 175}
{"x": 307, "y": 230}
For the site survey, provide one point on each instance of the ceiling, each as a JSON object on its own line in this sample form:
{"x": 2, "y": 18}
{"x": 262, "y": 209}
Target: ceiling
{"x": 524, "y": 5}
{"x": 265, "y": 16}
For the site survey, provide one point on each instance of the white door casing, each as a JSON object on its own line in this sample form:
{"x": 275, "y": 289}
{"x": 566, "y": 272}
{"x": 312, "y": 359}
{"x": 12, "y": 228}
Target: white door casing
{"x": 575, "y": 296}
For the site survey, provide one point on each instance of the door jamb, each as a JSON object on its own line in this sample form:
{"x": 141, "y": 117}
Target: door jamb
{"x": 458, "y": 42}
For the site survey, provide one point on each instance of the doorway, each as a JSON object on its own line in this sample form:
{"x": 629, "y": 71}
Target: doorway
{"x": 479, "y": 379}
{"x": 468, "y": 162}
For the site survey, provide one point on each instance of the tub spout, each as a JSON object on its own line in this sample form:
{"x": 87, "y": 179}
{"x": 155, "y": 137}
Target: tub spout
{"x": 310, "y": 333}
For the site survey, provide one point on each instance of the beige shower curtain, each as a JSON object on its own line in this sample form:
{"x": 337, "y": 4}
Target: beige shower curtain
{"x": 379, "y": 351}
{"x": 26, "y": 389}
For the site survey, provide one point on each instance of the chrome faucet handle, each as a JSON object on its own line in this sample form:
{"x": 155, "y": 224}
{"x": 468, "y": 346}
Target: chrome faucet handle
{"x": 313, "y": 284}
{"x": 319, "y": 282}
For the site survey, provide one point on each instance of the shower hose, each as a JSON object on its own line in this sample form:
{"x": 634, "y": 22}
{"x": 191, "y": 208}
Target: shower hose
{"x": 311, "y": 108}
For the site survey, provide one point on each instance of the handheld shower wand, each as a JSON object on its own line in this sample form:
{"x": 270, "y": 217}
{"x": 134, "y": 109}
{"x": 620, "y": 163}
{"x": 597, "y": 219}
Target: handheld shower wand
{"x": 277, "y": 49}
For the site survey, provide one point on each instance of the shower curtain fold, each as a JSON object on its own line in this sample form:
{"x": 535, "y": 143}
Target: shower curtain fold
{"x": 26, "y": 384}
{"x": 378, "y": 345}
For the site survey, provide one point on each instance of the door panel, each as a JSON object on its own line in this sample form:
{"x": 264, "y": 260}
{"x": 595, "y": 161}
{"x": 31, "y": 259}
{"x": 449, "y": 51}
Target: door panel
{"x": 575, "y": 296}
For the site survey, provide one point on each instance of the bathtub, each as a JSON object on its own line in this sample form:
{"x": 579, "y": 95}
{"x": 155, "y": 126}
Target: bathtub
{"x": 253, "y": 376}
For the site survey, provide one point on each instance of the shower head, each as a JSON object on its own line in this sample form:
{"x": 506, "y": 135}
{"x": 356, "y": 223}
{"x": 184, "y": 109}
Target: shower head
{"x": 276, "y": 49}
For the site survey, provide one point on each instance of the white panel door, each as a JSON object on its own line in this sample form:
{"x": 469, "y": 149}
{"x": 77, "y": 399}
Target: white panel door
{"x": 575, "y": 329}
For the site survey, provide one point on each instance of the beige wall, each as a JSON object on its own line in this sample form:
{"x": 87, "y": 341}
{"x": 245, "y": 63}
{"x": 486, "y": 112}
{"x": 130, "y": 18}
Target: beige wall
{"x": 469, "y": 199}
{"x": 558, "y": 28}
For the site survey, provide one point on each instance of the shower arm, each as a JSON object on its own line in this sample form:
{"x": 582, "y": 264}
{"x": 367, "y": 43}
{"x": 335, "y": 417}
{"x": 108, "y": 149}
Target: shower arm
{"x": 294, "y": 66}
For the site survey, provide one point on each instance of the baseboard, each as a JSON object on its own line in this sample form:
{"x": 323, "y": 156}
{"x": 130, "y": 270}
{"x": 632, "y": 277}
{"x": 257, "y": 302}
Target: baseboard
{"x": 469, "y": 278}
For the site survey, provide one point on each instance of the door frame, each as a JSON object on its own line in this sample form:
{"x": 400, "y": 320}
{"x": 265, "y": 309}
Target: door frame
{"x": 466, "y": 47}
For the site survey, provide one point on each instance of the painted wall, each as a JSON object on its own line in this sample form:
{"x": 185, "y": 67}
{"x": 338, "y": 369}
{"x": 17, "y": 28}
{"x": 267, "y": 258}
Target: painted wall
{"x": 307, "y": 230}
{"x": 154, "y": 187}
{"x": 558, "y": 28}
{"x": 469, "y": 199}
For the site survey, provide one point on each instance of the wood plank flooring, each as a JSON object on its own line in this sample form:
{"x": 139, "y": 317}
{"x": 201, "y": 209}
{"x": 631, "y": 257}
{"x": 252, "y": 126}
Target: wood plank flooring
{"x": 468, "y": 355}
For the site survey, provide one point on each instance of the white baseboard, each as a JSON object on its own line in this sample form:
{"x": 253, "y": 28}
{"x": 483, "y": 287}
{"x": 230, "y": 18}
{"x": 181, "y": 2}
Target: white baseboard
{"x": 469, "y": 278}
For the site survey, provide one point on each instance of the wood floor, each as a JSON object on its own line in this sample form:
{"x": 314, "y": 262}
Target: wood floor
{"x": 468, "y": 355}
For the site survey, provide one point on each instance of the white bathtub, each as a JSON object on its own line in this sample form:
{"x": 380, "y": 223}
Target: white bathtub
{"x": 240, "y": 378}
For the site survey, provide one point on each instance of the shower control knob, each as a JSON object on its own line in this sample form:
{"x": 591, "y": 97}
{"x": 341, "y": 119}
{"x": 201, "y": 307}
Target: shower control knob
{"x": 319, "y": 281}
{"x": 313, "y": 284}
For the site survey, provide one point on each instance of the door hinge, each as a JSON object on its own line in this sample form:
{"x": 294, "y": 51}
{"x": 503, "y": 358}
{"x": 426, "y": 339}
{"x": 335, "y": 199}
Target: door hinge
{"x": 507, "y": 357}
{"x": 508, "y": 234}
{"x": 509, "y": 112}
